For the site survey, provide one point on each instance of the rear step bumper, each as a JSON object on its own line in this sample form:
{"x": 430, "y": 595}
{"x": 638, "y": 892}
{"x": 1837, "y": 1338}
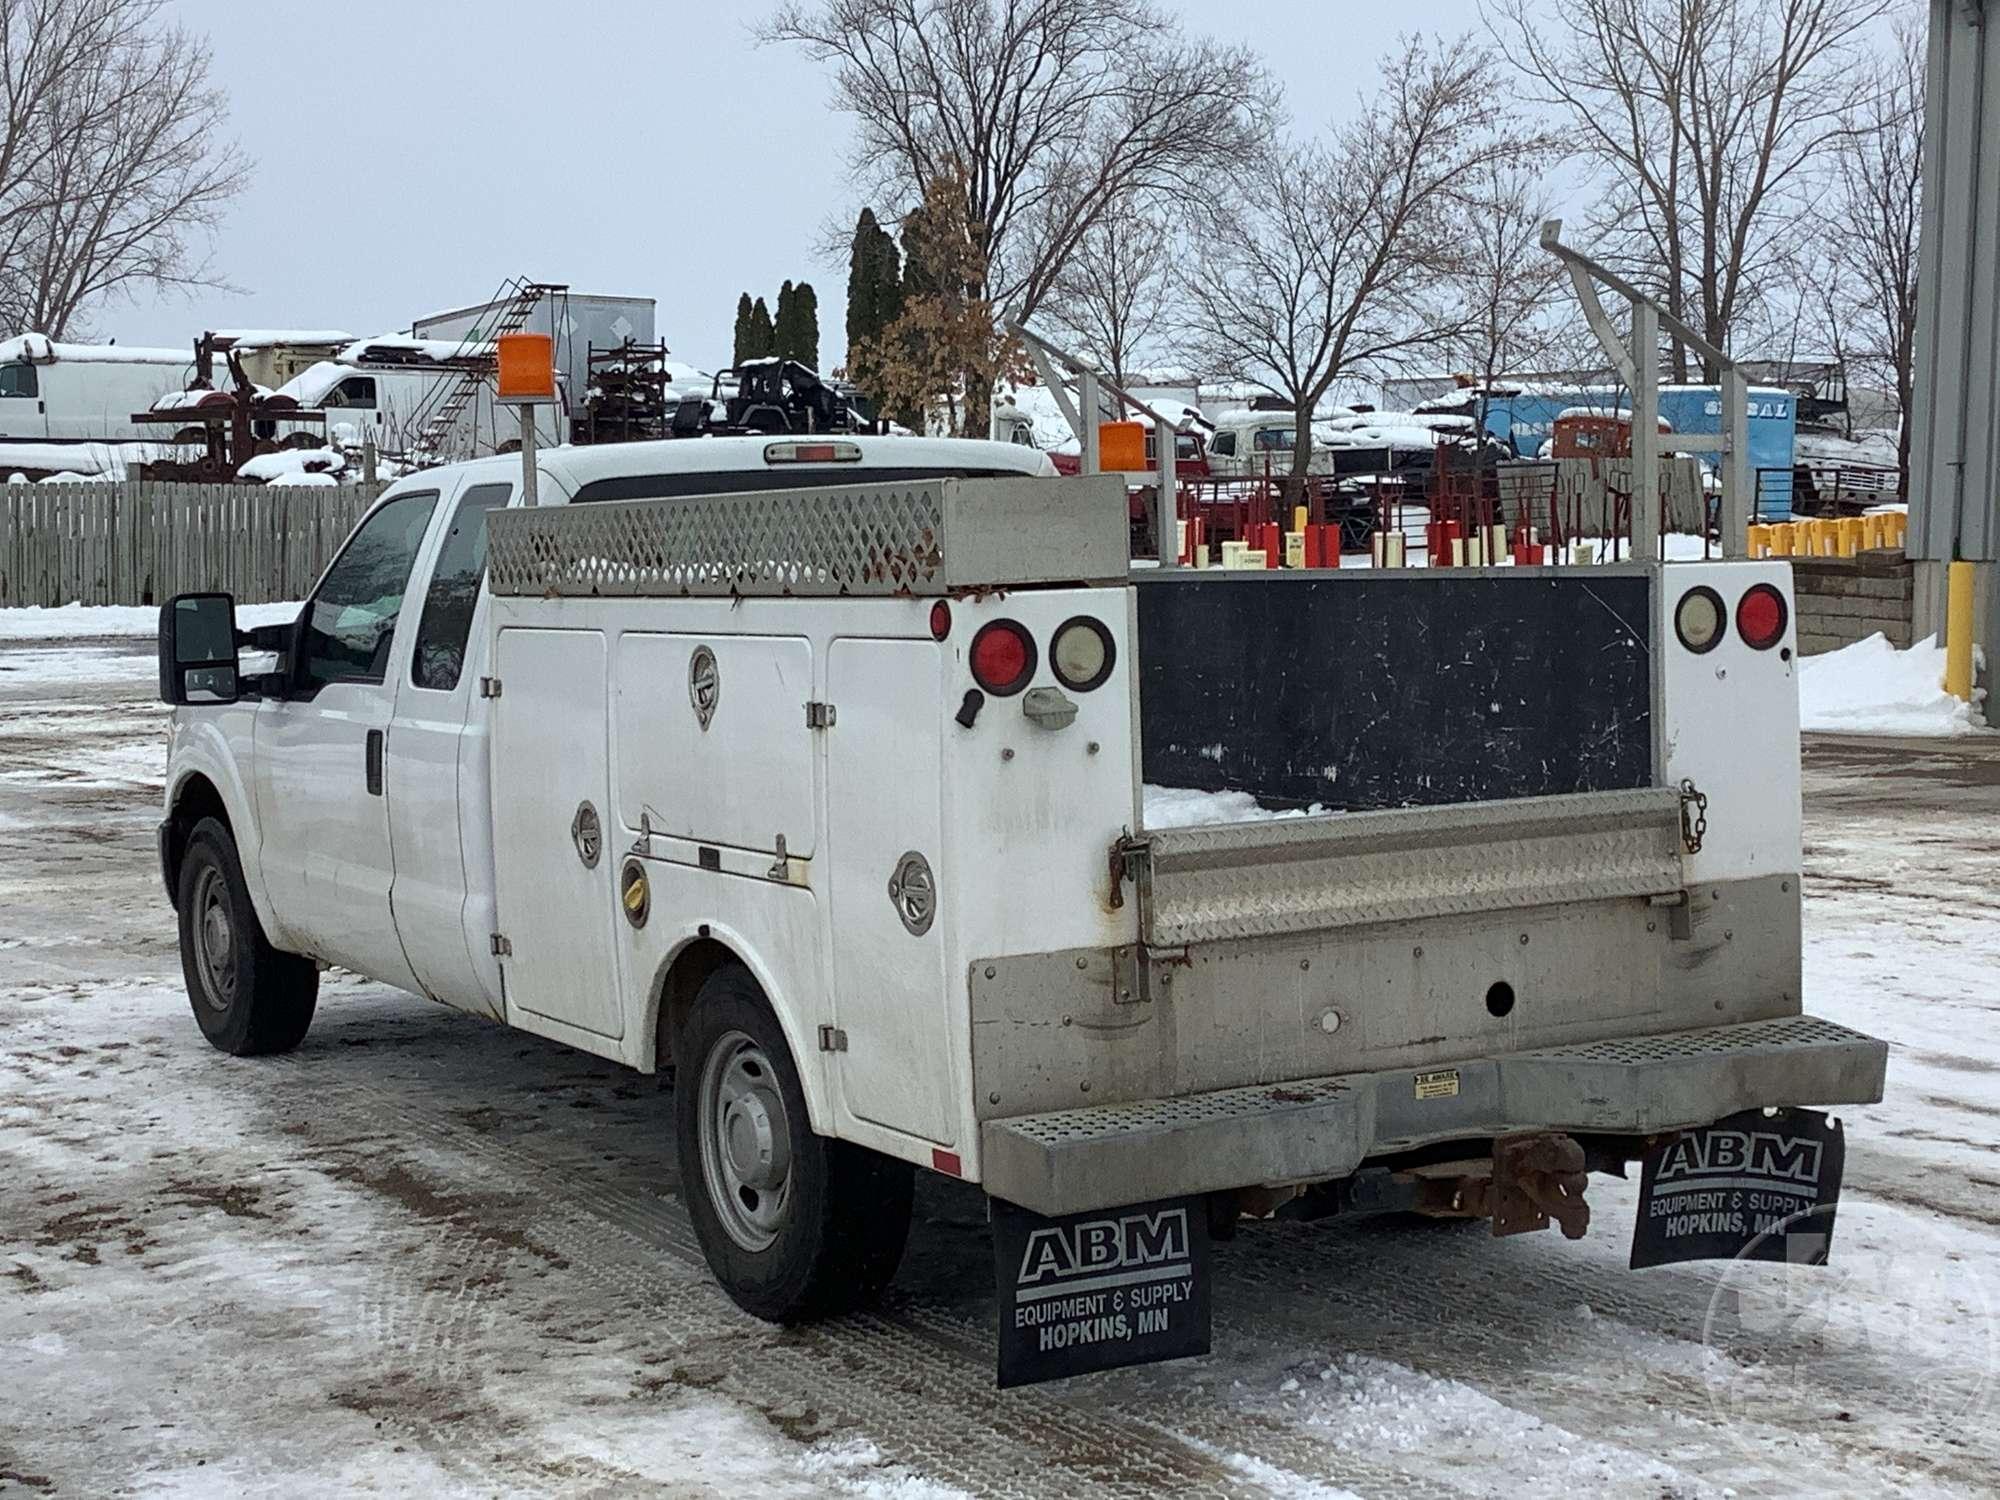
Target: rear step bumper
{"x": 1318, "y": 1128}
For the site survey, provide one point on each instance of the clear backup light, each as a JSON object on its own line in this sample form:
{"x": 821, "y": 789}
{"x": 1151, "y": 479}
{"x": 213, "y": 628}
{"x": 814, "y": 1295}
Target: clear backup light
{"x": 1761, "y": 617}
{"x": 1699, "y": 619}
{"x": 1082, "y": 654}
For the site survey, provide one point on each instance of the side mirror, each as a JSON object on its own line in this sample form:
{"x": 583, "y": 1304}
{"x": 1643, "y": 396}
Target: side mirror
{"x": 198, "y": 650}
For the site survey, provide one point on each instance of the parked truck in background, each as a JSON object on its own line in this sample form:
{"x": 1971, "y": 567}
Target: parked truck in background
{"x": 823, "y": 771}
{"x": 56, "y": 392}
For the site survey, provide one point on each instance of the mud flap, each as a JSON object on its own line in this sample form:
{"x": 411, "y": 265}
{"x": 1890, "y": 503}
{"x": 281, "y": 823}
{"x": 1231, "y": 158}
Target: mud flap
{"x": 1756, "y": 1186}
{"x": 1101, "y": 1289}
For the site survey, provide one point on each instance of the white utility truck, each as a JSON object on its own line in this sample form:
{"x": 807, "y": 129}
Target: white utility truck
{"x": 819, "y": 770}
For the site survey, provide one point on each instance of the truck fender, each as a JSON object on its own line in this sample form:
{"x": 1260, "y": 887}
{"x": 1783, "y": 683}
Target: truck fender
{"x": 199, "y": 775}
{"x": 695, "y": 953}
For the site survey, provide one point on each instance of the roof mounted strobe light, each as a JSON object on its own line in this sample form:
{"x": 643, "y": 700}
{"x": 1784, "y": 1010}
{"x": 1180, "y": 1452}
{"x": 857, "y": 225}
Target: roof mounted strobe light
{"x": 812, "y": 453}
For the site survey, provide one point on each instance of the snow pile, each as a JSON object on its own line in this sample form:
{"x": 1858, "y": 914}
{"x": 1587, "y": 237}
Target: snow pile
{"x": 1183, "y": 807}
{"x": 296, "y": 466}
{"x": 91, "y": 461}
{"x": 1400, "y": 430}
{"x": 1872, "y": 688}
{"x": 73, "y": 622}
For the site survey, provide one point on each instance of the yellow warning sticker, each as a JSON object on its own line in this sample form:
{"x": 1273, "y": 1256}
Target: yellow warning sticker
{"x": 1443, "y": 1084}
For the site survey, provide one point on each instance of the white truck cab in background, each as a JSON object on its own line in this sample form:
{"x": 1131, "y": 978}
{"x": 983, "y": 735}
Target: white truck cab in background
{"x": 814, "y": 769}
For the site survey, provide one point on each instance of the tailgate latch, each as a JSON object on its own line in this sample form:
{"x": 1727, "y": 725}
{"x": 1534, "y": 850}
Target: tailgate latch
{"x": 1128, "y": 858}
{"x": 1694, "y": 815}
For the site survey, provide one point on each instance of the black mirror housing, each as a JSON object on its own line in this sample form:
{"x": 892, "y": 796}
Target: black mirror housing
{"x": 197, "y": 649}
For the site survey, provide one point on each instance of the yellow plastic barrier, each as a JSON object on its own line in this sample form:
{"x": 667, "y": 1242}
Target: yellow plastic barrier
{"x": 1759, "y": 541}
{"x": 1896, "y": 528}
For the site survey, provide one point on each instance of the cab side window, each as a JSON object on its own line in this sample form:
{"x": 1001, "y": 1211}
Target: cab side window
{"x": 1224, "y": 444}
{"x": 18, "y": 380}
{"x": 454, "y": 592}
{"x": 351, "y": 620}
{"x": 356, "y": 390}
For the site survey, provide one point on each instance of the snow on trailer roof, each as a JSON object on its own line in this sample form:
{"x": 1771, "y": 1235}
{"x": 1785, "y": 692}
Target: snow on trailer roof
{"x": 268, "y": 338}
{"x": 395, "y": 348}
{"x": 39, "y": 349}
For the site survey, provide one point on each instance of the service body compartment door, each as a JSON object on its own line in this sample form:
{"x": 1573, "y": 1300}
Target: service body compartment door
{"x": 884, "y": 802}
{"x": 713, "y": 744}
{"x": 555, "y": 880}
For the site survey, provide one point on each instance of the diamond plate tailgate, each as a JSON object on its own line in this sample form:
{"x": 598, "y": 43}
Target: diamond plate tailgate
{"x": 1238, "y": 880}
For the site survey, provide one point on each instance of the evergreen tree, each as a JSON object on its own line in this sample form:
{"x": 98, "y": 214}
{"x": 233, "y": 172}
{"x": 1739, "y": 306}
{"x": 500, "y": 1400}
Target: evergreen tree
{"x": 805, "y": 325}
{"x": 761, "y": 337}
{"x": 742, "y": 330}
{"x": 784, "y": 323}
{"x": 874, "y": 297}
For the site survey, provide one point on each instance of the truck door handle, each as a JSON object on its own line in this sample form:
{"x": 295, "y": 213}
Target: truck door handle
{"x": 374, "y": 762}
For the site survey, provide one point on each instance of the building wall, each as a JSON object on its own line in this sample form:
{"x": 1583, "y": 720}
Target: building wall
{"x": 1840, "y": 600}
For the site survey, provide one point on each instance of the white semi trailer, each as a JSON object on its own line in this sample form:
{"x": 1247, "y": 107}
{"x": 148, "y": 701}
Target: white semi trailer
{"x": 817, "y": 771}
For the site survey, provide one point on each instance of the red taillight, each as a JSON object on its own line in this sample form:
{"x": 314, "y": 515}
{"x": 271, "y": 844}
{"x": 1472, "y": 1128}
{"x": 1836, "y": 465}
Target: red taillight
{"x": 1761, "y": 617}
{"x": 940, "y": 620}
{"x": 1003, "y": 658}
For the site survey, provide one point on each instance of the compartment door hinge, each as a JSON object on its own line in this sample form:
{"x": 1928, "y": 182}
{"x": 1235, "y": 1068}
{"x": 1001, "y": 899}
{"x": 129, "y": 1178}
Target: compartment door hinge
{"x": 489, "y": 687}
{"x": 819, "y": 716}
{"x": 500, "y": 946}
{"x": 832, "y": 1039}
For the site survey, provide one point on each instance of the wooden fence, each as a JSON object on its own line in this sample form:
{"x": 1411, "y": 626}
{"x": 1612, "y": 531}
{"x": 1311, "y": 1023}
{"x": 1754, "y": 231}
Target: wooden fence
{"x": 142, "y": 543}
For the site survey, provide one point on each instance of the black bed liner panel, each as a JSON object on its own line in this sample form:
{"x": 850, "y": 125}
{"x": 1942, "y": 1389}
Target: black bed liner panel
{"x": 1375, "y": 689}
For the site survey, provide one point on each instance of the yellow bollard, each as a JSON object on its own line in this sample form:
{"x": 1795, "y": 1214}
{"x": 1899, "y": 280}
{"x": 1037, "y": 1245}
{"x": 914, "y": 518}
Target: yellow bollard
{"x": 1759, "y": 541}
{"x": 1896, "y": 528}
{"x": 1958, "y": 631}
{"x": 1781, "y": 538}
{"x": 1826, "y": 539}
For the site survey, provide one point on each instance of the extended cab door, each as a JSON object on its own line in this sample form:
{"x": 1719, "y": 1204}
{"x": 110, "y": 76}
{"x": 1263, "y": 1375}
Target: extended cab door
{"x": 321, "y": 750}
{"x": 436, "y": 775}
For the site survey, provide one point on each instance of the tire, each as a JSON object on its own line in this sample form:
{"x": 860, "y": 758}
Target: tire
{"x": 822, "y": 1238}
{"x": 249, "y": 999}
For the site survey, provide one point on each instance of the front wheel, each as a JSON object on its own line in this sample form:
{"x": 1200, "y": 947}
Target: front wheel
{"x": 248, "y": 998}
{"x": 794, "y": 1225}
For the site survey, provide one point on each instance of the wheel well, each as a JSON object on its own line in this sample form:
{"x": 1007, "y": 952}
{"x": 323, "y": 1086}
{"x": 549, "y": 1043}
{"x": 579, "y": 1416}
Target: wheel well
{"x": 683, "y": 981}
{"x": 197, "y": 799}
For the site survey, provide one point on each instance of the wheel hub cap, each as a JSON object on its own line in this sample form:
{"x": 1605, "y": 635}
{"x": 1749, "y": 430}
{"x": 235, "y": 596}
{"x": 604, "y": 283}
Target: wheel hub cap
{"x": 746, "y": 1144}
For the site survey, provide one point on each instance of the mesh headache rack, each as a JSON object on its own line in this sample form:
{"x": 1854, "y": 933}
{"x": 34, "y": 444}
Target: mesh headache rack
{"x": 927, "y": 536}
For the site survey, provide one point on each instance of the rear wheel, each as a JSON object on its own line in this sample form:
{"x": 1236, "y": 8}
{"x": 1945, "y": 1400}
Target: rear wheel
{"x": 794, "y": 1225}
{"x": 248, "y": 998}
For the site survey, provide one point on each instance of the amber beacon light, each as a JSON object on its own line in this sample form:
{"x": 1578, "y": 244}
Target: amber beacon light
{"x": 527, "y": 367}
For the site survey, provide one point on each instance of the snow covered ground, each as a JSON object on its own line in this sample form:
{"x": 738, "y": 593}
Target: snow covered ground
{"x": 428, "y": 1256}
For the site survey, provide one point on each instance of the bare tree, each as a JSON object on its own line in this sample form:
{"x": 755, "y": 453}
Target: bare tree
{"x": 1517, "y": 314}
{"x": 1111, "y": 296}
{"x": 1054, "y": 109}
{"x": 1709, "y": 118}
{"x": 116, "y": 165}
{"x": 1337, "y": 256}
{"x": 1869, "y": 226}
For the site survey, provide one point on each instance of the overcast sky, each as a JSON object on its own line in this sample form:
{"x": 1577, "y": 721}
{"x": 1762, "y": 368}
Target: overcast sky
{"x": 413, "y": 154}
